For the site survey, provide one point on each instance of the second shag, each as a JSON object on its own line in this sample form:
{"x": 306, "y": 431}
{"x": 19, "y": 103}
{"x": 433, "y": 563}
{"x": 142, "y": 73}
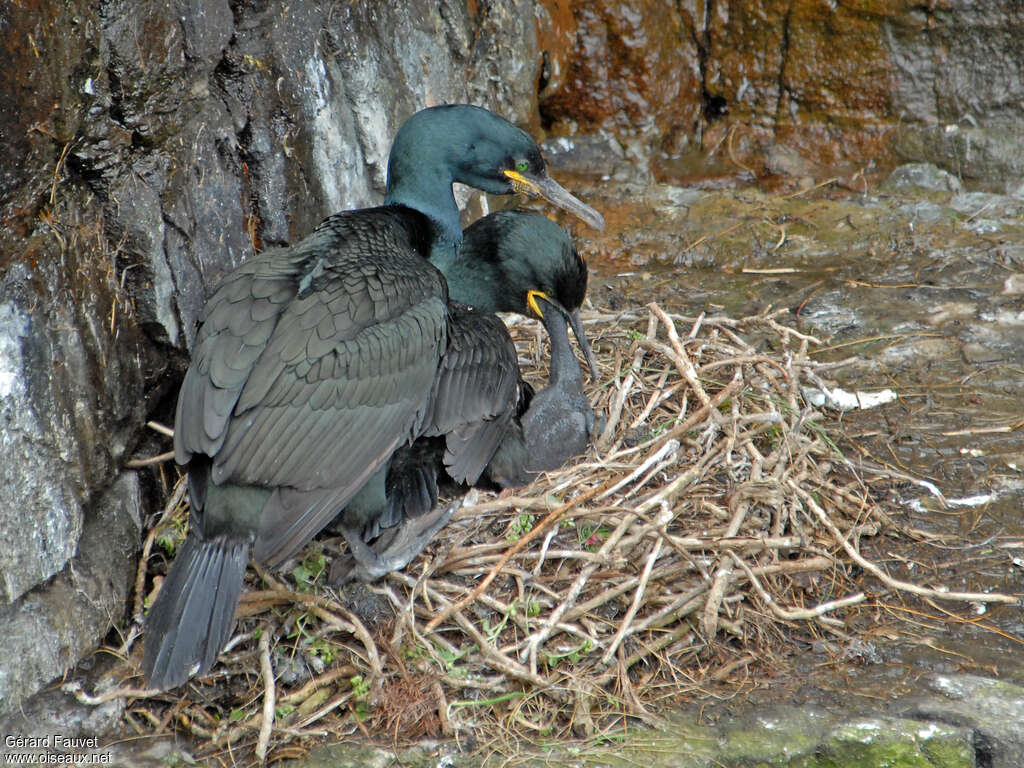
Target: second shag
{"x": 504, "y": 433}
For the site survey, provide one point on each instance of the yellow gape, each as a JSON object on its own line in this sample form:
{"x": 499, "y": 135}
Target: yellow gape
{"x": 531, "y": 301}
{"x": 521, "y": 184}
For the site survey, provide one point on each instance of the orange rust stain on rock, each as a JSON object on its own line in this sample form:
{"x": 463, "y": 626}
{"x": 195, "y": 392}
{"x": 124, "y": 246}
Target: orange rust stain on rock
{"x": 632, "y": 67}
{"x": 556, "y": 38}
{"x": 812, "y": 75}
{"x": 815, "y": 79}
{"x": 836, "y": 64}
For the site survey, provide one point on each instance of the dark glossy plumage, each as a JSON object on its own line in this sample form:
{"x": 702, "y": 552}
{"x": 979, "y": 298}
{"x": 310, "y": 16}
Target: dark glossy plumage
{"x": 504, "y": 258}
{"x": 489, "y": 427}
{"x": 301, "y": 351}
{"x": 314, "y": 363}
{"x": 508, "y": 253}
{"x": 476, "y": 395}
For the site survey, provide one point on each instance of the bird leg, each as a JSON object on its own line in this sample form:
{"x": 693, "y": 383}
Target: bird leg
{"x": 392, "y": 550}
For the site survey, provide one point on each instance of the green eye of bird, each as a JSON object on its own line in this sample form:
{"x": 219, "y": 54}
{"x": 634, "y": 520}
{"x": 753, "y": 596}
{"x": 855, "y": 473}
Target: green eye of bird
{"x": 522, "y": 166}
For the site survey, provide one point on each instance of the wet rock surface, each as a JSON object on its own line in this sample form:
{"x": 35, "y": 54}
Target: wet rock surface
{"x": 56, "y": 625}
{"x": 70, "y": 408}
{"x": 963, "y": 722}
{"x": 782, "y": 86}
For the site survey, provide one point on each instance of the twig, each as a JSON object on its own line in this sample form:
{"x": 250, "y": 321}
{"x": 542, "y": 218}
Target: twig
{"x": 678, "y": 354}
{"x": 147, "y": 462}
{"x": 316, "y": 605}
{"x": 668, "y": 448}
{"x": 705, "y": 410}
{"x": 552, "y": 517}
{"x": 320, "y": 681}
{"x": 635, "y": 605}
{"x": 267, "y": 670}
{"x": 625, "y": 387}
{"x": 147, "y": 548}
{"x": 75, "y": 689}
{"x": 889, "y": 581}
{"x": 156, "y": 426}
{"x": 785, "y": 614}
{"x": 534, "y": 641}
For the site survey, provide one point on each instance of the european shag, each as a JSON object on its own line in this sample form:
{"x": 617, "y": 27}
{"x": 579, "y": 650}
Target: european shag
{"x": 510, "y": 261}
{"x": 313, "y": 364}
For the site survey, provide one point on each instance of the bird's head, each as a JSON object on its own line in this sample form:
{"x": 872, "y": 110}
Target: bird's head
{"x": 530, "y": 266}
{"x": 471, "y": 145}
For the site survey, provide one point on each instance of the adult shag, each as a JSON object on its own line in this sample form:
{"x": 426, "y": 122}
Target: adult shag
{"x": 503, "y": 433}
{"x": 313, "y": 364}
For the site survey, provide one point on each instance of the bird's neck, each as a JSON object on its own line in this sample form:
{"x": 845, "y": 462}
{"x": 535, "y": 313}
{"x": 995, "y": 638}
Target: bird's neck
{"x": 430, "y": 193}
{"x": 565, "y": 369}
{"x": 471, "y": 282}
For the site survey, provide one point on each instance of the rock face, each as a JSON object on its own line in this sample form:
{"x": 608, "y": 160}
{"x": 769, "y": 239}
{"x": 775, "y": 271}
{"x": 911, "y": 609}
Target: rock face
{"x": 142, "y": 156}
{"x": 840, "y": 85}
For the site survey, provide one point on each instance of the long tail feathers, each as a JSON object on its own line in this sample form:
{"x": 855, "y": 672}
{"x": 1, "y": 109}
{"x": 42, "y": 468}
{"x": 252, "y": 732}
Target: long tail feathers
{"x": 191, "y": 619}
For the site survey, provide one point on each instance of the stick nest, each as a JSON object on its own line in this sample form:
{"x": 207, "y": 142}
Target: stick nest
{"x": 713, "y": 526}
